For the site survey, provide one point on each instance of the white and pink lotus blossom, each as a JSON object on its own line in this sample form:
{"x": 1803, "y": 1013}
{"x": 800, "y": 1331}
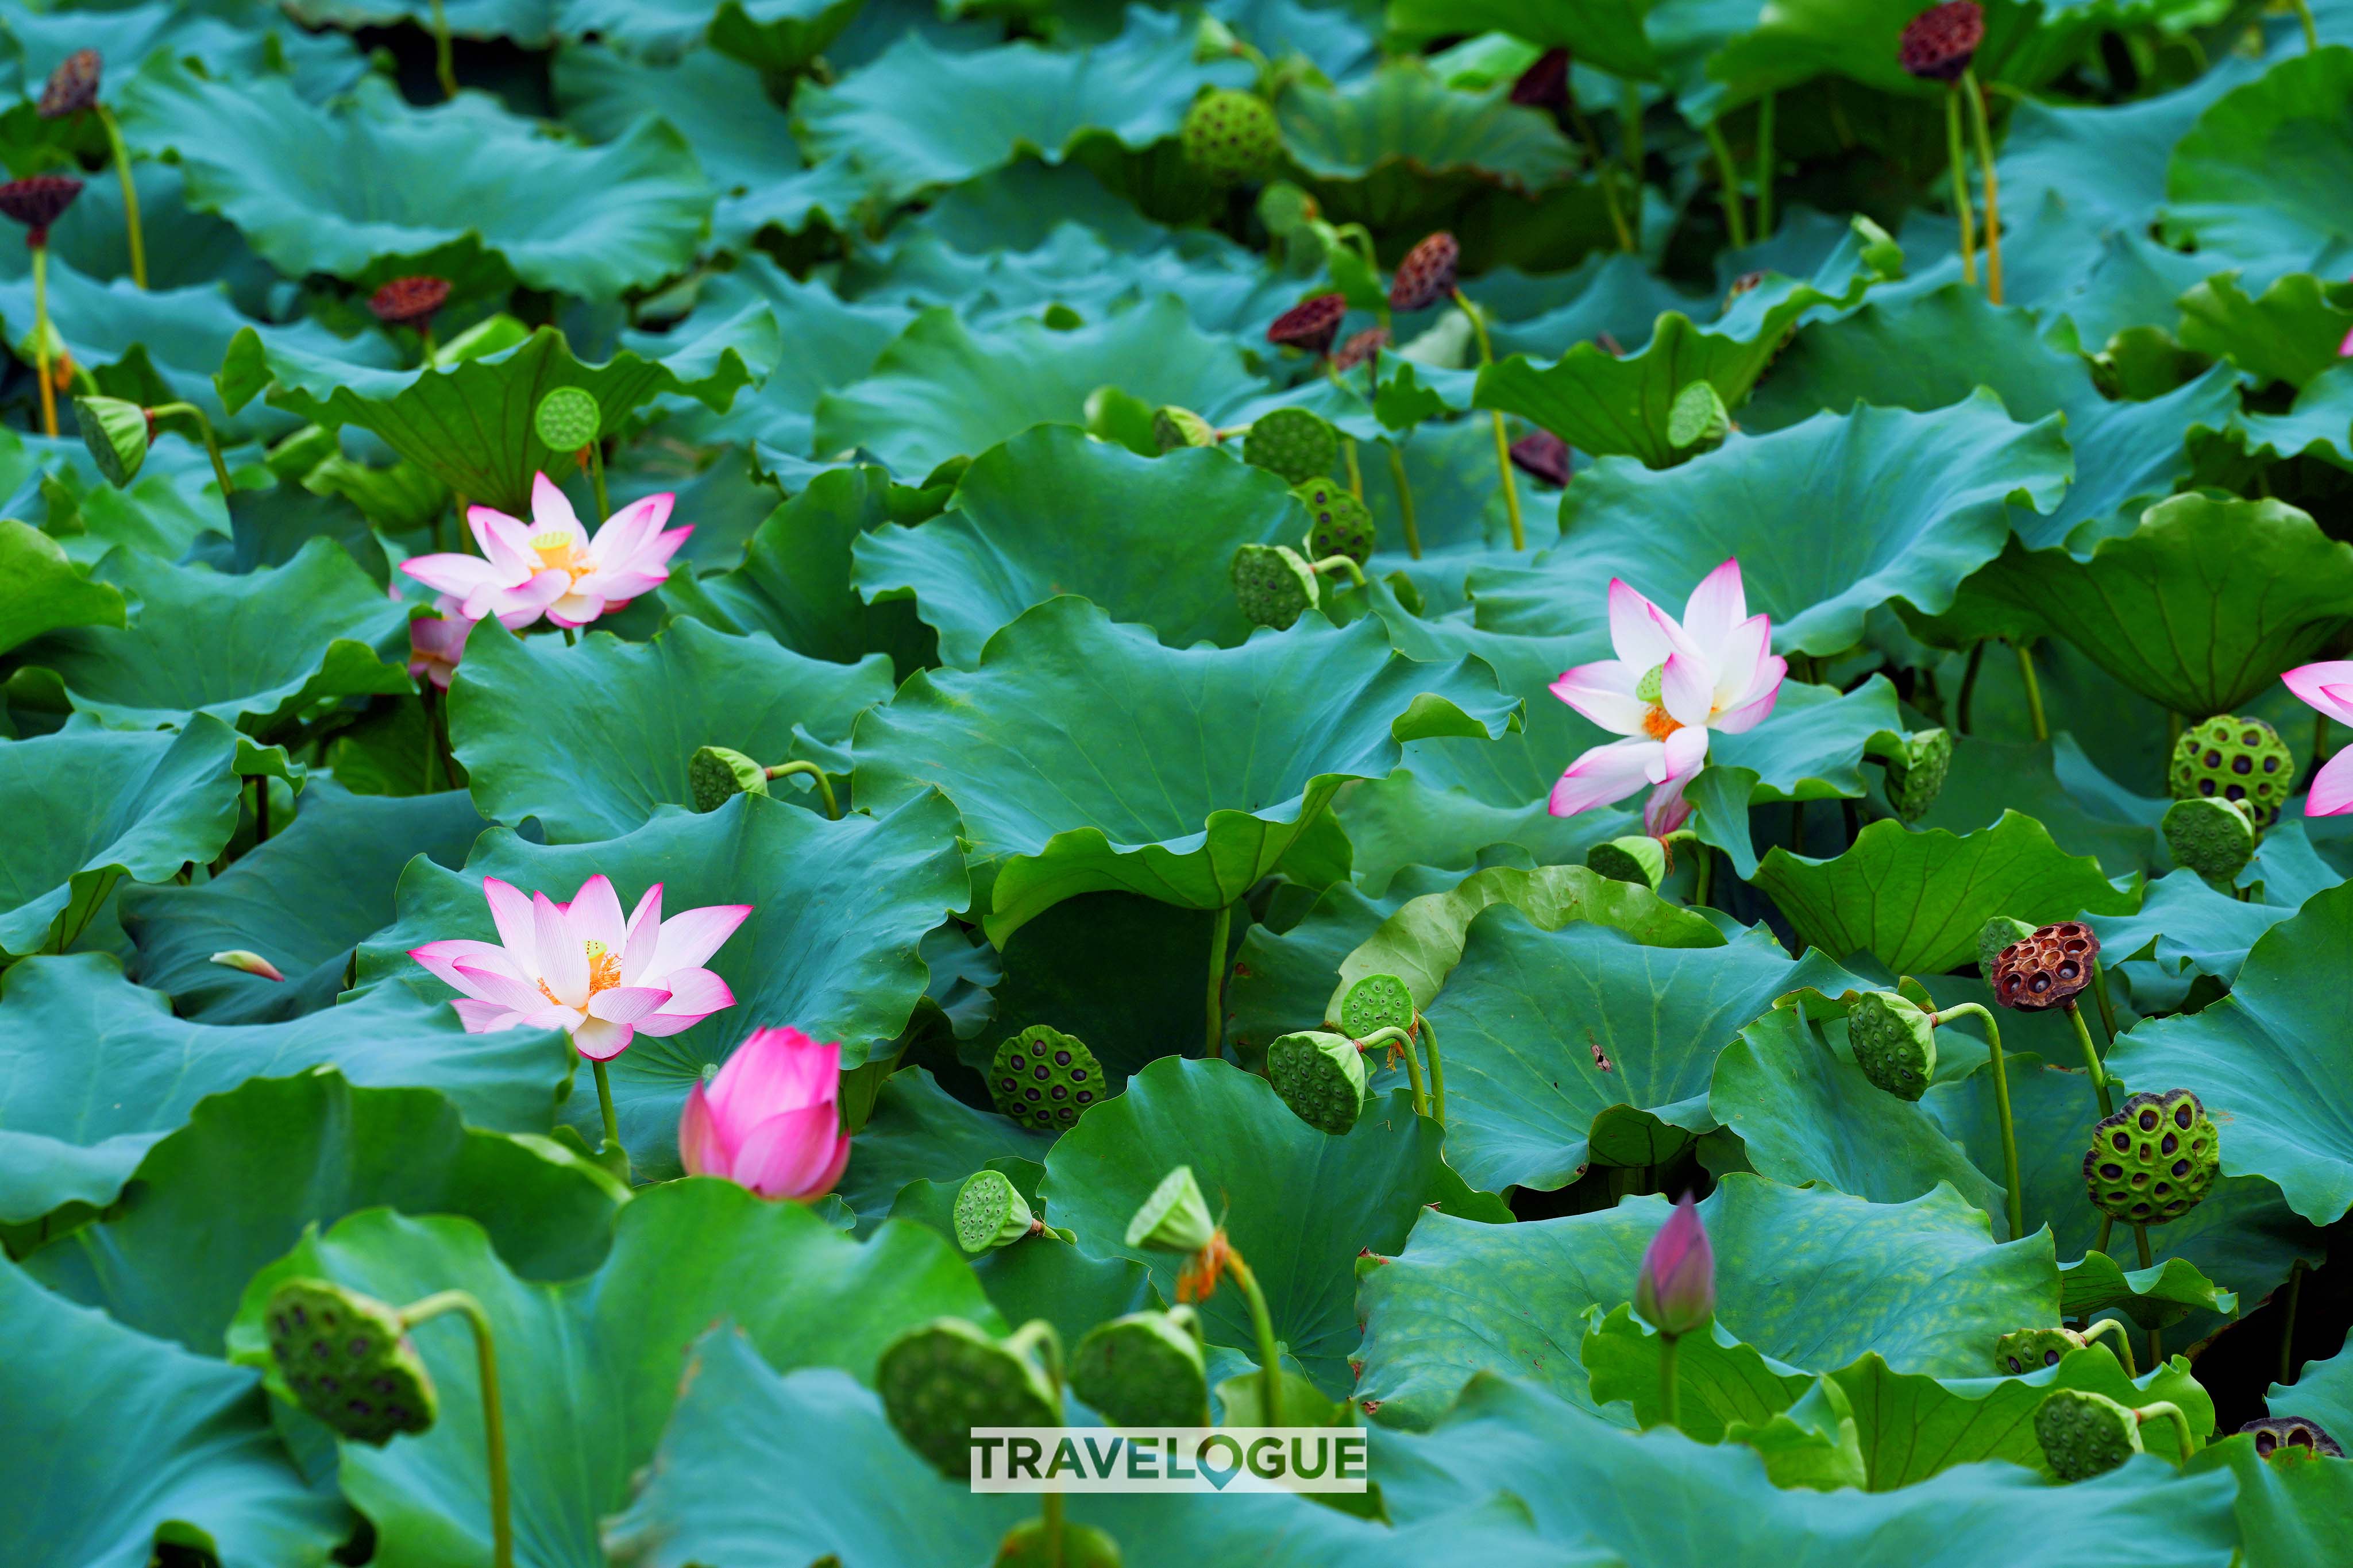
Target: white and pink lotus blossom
{"x": 550, "y": 565}
{"x": 580, "y": 967}
{"x": 437, "y": 643}
{"x": 2328, "y": 687}
{"x": 770, "y": 1119}
{"x": 1672, "y": 684}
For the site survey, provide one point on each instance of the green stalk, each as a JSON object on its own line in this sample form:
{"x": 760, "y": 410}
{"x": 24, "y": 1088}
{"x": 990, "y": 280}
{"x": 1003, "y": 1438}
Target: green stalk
{"x": 442, "y": 68}
{"x": 1343, "y": 563}
{"x": 2017, "y": 1200}
{"x": 571, "y": 639}
{"x": 2155, "y": 1336}
{"x": 2033, "y": 690}
{"x": 432, "y": 739}
{"x": 2172, "y": 1412}
{"x": 1607, "y": 169}
{"x": 1968, "y": 687}
{"x": 2287, "y": 1324}
{"x": 1269, "y": 1360}
{"x": 1404, "y": 503}
{"x": 1217, "y": 994}
{"x": 1050, "y": 1514}
{"x": 612, "y": 1156}
{"x": 205, "y": 428}
{"x": 1630, "y": 127}
{"x": 1765, "y": 167}
{"x": 1670, "y": 1402}
{"x": 1962, "y": 208}
{"x": 2107, "y": 1225}
{"x": 2092, "y": 1061}
{"x": 1355, "y": 474}
{"x": 2319, "y": 738}
{"x": 1704, "y": 878}
{"x": 1992, "y": 188}
{"x": 1727, "y": 178}
{"x": 1503, "y": 441}
{"x": 2311, "y": 33}
{"x": 1437, "y": 1067}
{"x": 824, "y": 784}
{"x": 2124, "y": 1342}
{"x": 596, "y": 478}
{"x": 129, "y": 194}
{"x": 494, "y": 1425}
{"x": 41, "y": 337}
{"x": 1393, "y": 1035}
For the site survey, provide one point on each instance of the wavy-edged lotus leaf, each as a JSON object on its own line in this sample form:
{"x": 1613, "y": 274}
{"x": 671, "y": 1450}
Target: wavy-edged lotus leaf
{"x": 87, "y": 807}
{"x": 2289, "y": 333}
{"x": 778, "y": 35}
{"x": 683, "y": 1256}
{"x": 1064, "y": 750}
{"x": 1829, "y": 519}
{"x": 2253, "y": 179}
{"x": 1920, "y": 1278}
{"x": 593, "y": 740}
{"x": 1403, "y": 113}
{"x": 2323, "y": 1391}
{"x": 41, "y": 590}
{"x": 1053, "y": 512}
{"x": 918, "y": 1131}
{"x": 2291, "y": 1508}
{"x": 1916, "y": 902}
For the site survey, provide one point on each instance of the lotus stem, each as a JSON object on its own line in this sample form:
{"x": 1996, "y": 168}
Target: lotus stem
{"x": 1604, "y": 169}
{"x": 596, "y": 478}
{"x": 2107, "y": 1225}
{"x": 1630, "y": 127}
{"x": 204, "y": 429}
{"x": 1765, "y": 167}
{"x": 824, "y": 784}
{"x": 494, "y": 1425}
{"x": 2311, "y": 33}
{"x": 2107, "y": 1008}
{"x": 1403, "y": 1041}
{"x": 2092, "y": 1060}
{"x": 2033, "y": 690}
{"x": 1704, "y": 878}
{"x": 1992, "y": 186}
{"x": 2016, "y": 1196}
{"x": 442, "y": 68}
{"x": 1503, "y": 441}
{"x": 2123, "y": 1341}
{"x": 1670, "y": 1401}
{"x": 432, "y": 739}
{"x": 1962, "y": 208}
{"x": 1968, "y": 687}
{"x": 41, "y": 338}
{"x": 1727, "y": 180}
{"x": 1341, "y": 563}
{"x": 2287, "y": 1322}
{"x": 1218, "y": 932}
{"x": 571, "y": 639}
{"x": 1050, "y": 1514}
{"x": 1437, "y": 1066}
{"x": 260, "y": 809}
{"x": 1355, "y": 474}
{"x": 1269, "y": 1360}
{"x": 1405, "y": 505}
{"x": 613, "y": 1156}
{"x": 2156, "y": 1335}
{"x": 2171, "y": 1412}
{"x": 132, "y": 237}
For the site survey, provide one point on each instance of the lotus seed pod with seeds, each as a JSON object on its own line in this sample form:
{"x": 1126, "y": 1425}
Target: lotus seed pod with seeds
{"x": 2214, "y": 838}
{"x": 2154, "y": 1159}
{"x": 1426, "y": 276}
{"x": 1173, "y": 428}
{"x": 1320, "y": 1076}
{"x": 2084, "y": 1434}
{"x": 1915, "y": 774}
{"x": 2031, "y": 1350}
{"x": 1292, "y": 442}
{"x": 1698, "y": 416}
{"x": 1542, "y": 456}
{"x": 1337, "y": 522}
{"x": 568, "y": 419}
{"x": 1310, "y": 324}
{"x": 1939, "y": 43}
{"x": 2000, "y": 932}
{"x": 1146, "y": 1369}
{"x": 347, "y": 1358}
{"x": 1045, "y": 1079}
{"x": 1029, "y": 1544}
{"x": 717, "y": 775}
{"x": 1175, "y": 1218}
{"x": 1361, "y": 347}
{"x": 1377, "y": 1001}
{"x": 37, "y": 201}
{"x": 73, "y": 87}
{"x": 2291, "y": 1435}
{"x": 1231, "y": 136}
{"x": 1274, "y": 586}
{"x": 411, "y": 302}
{"x": 990, "y": 1212}
{"x": 116, "y": 434}
{"x": 1634, "y": 858}
{"x": 2225, "y": 758}
{"x": 1895, "y": 1042}
{"x": 2047, "y": 969}
{"x": 940, "y": 1380}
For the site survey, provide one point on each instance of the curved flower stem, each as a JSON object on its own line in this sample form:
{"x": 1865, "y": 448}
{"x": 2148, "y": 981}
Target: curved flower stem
{"x": 1961, "y": 204}
{"x": 1437, "y": 1067}
{"x": 494, "y": 1425}
{"x": 1976, "y": 95}
{"x": 596, "y": 478}
{"x": 1355, "y": 474}
{"x": 1968, "y": 687}
{"x": 1727, "y": 180}
{"x": 442, "y": 68}
{"x": 132, "y": 235}
{"x": 1670, "y": 1400}
{"x": 1050, "y": 1513}
{"x": 613, "y": 1156}
{"x": 2017, "y": 1197}
{"x": 2123, "y": 1341}
{"x": 1216, "y": 994}
{"x": 2107, "y": 1225}
{"x": 1393, "y": 1035}
{"x": 2092, "y": 1061}
{"x": 1703, "y": 878}
{"x": 1764, "y": 167}
{"x": 41, "y": 337}
{"x": 1503, "y": 441}
{"x": 1608, "y": 172}
{"x": 2107, "y": 1008}
{"x": 2287, "y": 1322}
{"x": 205, "y": 428}
{"x": 2311, "y": 33}
{"x": 1346, "y": 563}
{"x": 2172, "y": 1412}
{"x": 1404, "y": 506}
{"x": 1269, "y": 1360}
{"x": 824, "y": 784}
{"x": 2033, "y": 690}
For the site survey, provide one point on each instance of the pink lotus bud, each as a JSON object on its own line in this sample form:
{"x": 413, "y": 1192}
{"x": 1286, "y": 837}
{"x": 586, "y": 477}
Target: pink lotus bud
{"x": 1676, "y": 1293}
{"x": 769, "y": 1120}
{"x": 251, "y": 963}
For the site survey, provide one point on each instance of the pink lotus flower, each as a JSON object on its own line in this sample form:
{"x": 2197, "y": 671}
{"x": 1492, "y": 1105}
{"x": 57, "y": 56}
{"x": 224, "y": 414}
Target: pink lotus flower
{"x": 580, "y": 968}
{"x": 2328, "y": 687}
{"x": 770, "y": 1119}
{"x": 251, "y": 961}
{"x": 1675, "y": 1292}
{"x": 1672, "y": 683}
{"x": 551, "y": 565}
{"x": 437, "y": 643}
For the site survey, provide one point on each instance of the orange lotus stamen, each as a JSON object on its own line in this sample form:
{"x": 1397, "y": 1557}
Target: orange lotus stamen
{"x": 1658, "y": 724}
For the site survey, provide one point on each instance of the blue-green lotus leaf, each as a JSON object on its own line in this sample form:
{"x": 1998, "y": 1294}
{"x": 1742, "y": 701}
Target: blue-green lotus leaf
{"x": 1404, "y": 112}
{"x": 41, "y": 590}
{"x": 2253, "y": 180}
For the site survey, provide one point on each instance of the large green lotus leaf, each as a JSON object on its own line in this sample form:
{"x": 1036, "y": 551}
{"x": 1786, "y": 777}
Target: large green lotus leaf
{"x": 1606, "y": 34}
{"x": 776, "y": 36}
{"x": 1047, "y": 1278}
{"x": 41, "y": 590}
{"x": 919, "y": 1131}
{"x": 614, "y": 1343}
{"x": 2288, "y": 1513}
{"x": 255, "y": 651}
{"x": 469, "y": 425}
{"x": 830, "y": 946}
{"x": 947, "y": 390}
{"x": 1804, "y": 1113}
{"x": 2288, "y": 332}
{"x": 2187, "y": 927}
{"x": 1085, "y": 755}
{"x": 1915, "y": 1281}
{"x": 920, "y": 116}
{"x": 1299, "y": 1204}
{"x": 2256, "y": 180}
{"x": 2319, "y": 423}
{"x": 97, "y": 1072}
{"x": 379, "y": 186}
{"x": 1829, "y": 519}
{"x": 1405, "y": 112}
{"x": 231, "y": 40}
{"x": 1122, "y": 971}
{"x": 1916, "y": 902}
{"x": 593, "y": 739}
{"x": 174, "y": 509}
{"x": 1583, "y": 1045}
{"x": 523, "y": 22}
{"x": 233, "y": 1189}
{"x": 1053, "y": 512}
{"x": 1282, "y": 975}
{"x": 119, "y": 1444}
{"x": 87, "y": 807}
{"x": 2056, "y": 784}
{"x": 303, "y": 901}
{"x": 2321, "y": 1390}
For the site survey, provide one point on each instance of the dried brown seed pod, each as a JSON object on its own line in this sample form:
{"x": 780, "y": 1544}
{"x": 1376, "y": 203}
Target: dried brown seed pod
{"x": 2046, "y": 969}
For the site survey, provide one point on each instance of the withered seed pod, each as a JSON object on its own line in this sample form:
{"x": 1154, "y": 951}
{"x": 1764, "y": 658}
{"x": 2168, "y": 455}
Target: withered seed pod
{"x": 2046, "y": 969}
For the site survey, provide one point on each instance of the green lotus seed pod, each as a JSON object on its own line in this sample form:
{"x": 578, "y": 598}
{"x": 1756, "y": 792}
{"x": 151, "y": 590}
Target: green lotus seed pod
{"x": 1320, "y": 1076}
{"x": 1029, "y": 1544}
{"x": 1046, "y": 1079}
{"x": 1146, "y": 1369}
{"x": 1173, "y": 428}
{"x": 2030, "y": 1350}
{"x": 1652, "y": 686}
{"x": 1634, "y": 858}
{"x": 990, "y": 1212}
{"x": 2084, "y": 1434}
{"x": 1698, "y": 416}
{"x": 1174, "y": 1218}
{"x": 1337, "y": 522}
{"x": 2211, "y": 835}
{"x": 116, "y": 432}
{"x": 1895, "y": 1042}
{"x": 1916, "y": 774}
{"x": 2154, "y": 1159}
{"x": 568, "y": 419}
{"x": 347, "y": 1358}
{"x": 1377, "y": 1001}
{"x": 1231, "y": 136}
{"x": 941, "y": 1380}
{"x": 2234, "y": 759}
{"x": 2000, "y": 932}
{"x": 718, "y": 775}
{"x": 1295, "y": 443}
{"x": 1274, "y": 586}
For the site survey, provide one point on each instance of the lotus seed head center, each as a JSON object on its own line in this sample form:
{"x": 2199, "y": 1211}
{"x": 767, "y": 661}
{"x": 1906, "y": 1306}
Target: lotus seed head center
{"x": 561, "y": 552}
{"x": 604, "y": 972}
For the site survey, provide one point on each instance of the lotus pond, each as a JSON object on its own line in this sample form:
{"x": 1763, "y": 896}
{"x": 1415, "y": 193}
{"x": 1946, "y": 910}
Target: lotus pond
{"x": 1602, "y": 745}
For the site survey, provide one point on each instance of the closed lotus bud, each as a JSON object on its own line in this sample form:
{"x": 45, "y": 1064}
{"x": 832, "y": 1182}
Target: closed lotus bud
{"x": 1310, "y": 324}
{"x": 1292, "y": 442}
{"x": 348, "y": 1360}
{"x": 943, "y": 1379}
{"x": 2288, "y": 1434}
{"x": 116, "y": 434}
{"x": 1542, "y": 455}
{"x": 1675, "y": 1292}
{"x": 990, "y": 1213}
{"x": 1146, "y": 1369}
{"x": 2046, "y": 969}
{"x": 250, "y": 962}
{"x": 2154, "y": 1159}
{"x": 2084, "y": 1434}
{"x": 411, "y": 302}
{"x": 1032, "y": 1544}
{"x": 1915, "y": 772}
{"x": 2214, "y": 838}
{"x": 1231, "y": 136}
{"x": 1544, "y": 85}
{"x": 1939, "y": 43}
{"x": 1173, "y": 428}
{"x": 568, "y": 419}
{"x": 1337, "y": 522}
{"x": 1320, "y": 1076}
{"x": 1175, "y": 1218}
{"x": 73, "y": 87}
{"x": 716, "y": 776}
{"x": 2245, "y": 759}
{"x": 37, "y": 201}
{"x": 1360, "y": 347}
{"x": 2030, "y": 1350}
{"x": 1045, "y": 1079}
{"x": 1274, "y": 586}
{"x": 1374, "y": 1003}
{"x": 1426, "y": 276}
{"x": 1634, "y": 858}
{"x": 1895, "y": 1042}
{"x": 2000, "y": 932}
{"x": 1698, "y": 416}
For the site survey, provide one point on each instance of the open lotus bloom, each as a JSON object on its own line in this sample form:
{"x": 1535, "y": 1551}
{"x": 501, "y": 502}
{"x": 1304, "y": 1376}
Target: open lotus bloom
{"x": 1672, "y": 684}
{"x": 2328, "y": 687}
{"x": 580, "y": 967}
{"x": 550, "y": 565}
{"x": 770, "y": 1119}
